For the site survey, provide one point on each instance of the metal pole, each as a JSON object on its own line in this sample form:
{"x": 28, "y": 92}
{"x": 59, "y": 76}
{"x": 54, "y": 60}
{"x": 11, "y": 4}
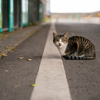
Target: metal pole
{"x": 11, "y": 15}
{"x": 1, "y": 16}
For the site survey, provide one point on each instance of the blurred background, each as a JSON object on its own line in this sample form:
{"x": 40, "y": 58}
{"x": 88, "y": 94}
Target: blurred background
{"x": 20, "y": 13}
{"x": 87, "y": 11}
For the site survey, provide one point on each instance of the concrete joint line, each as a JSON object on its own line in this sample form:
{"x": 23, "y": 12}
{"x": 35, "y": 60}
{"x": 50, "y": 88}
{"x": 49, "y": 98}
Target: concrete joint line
{"x": 51, "y": 83}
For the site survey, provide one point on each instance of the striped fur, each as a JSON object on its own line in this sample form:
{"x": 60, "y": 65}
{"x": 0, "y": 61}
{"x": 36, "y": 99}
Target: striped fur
{"x": 78, "y": 47}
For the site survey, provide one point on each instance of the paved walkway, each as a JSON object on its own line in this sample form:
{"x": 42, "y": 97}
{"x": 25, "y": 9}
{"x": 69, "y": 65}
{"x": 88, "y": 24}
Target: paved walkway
{"x": 45, "y": 76}
{"x": 9, "y": 41}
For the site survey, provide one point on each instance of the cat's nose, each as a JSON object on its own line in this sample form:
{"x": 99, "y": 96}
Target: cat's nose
{"x": 60, "y": 44}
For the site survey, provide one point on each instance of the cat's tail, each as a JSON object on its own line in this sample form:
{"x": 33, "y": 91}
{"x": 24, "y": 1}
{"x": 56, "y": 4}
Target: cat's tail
{"x": 90, "y": 58}
{"x": 80, "y": 58}
{"x": 84, "y": 58}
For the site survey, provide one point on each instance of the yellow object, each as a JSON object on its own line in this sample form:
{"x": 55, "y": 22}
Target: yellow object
{"x": 4, "y": 55}
{"x": 98, "y": 14}
{"x": 20, "y": 57}
{"x": 29, "y": 59}
{"x": 17, "y": 85}
{"x": 33, "y": 85}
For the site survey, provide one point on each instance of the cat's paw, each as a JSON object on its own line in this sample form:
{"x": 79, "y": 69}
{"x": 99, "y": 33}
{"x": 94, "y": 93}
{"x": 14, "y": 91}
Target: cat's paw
{"x": 65, "y": 57}
{"x": 62, "y": 58}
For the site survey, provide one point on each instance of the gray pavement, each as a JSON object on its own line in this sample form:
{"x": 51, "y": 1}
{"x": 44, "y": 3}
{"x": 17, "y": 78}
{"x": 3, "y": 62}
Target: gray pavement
{"x": 9, "y": 41}
{"x": 16, "y": 75}
{"x": 51, "y": 78}
{"x": 83, "y": 75}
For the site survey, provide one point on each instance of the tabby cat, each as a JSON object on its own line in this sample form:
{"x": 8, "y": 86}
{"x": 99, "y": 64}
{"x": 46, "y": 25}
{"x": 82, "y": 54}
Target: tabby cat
{"x": 76, "y": 47}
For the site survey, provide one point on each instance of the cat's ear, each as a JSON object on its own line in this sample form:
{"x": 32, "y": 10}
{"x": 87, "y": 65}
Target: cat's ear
{"x": 66, "y": 35}
{"x": 54, "y": 34}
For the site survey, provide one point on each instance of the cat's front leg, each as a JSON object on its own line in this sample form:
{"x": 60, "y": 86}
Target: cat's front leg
{"x": 64, "y": 57}
{"x": 69, "y": 55}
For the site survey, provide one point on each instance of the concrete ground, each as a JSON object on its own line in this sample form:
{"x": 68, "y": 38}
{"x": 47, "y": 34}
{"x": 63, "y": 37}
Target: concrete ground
{"x": 19, "y": 77}
{"x": 9, "y": 41}
{"x": 16, "y": 75}
{"x": 83, "y": 75}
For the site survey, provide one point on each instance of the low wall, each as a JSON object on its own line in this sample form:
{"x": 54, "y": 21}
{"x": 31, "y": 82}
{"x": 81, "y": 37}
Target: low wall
{"x": 92, "y": 20}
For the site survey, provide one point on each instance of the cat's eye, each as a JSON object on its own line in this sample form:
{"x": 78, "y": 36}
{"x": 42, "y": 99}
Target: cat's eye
{"x": 63, "y": 39}
{"x": 57, "y": 39}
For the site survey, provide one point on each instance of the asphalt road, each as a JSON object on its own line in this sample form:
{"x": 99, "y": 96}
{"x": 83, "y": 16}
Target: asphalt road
{"x": 16, "y": 75}
{"x": 83, "y": 75}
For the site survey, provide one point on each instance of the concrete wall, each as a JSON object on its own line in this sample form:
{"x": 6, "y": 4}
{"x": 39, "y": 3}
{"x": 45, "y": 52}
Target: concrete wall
{"x": 92, "y": 20}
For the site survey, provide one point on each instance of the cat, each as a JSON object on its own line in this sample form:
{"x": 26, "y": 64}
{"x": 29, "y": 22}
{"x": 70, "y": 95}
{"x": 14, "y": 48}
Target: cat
{"x": 76, "y": 47}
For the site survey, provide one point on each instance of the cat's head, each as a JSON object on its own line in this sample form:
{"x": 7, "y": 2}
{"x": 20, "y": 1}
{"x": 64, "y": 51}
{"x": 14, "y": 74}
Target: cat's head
{"x": 60, "y": 40}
